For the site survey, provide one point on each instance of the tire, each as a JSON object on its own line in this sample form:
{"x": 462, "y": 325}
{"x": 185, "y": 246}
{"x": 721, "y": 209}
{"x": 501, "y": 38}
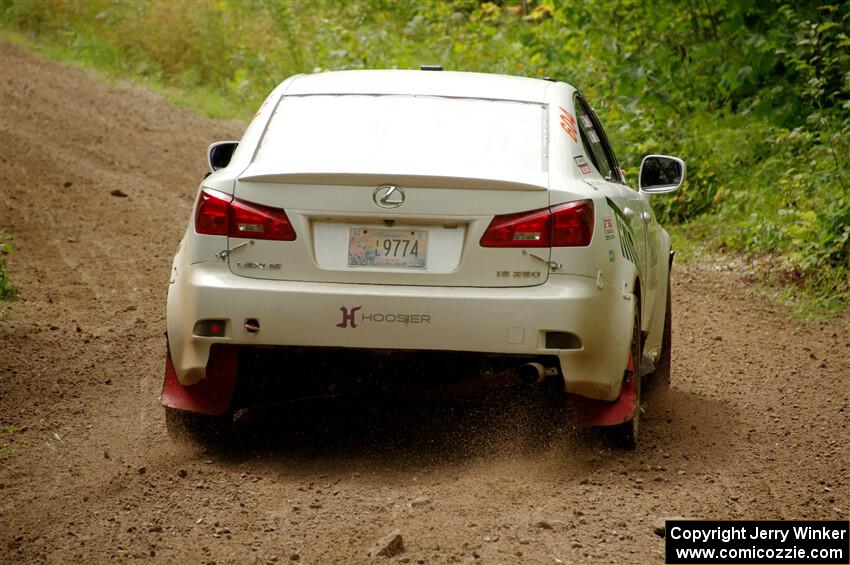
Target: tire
{"x": 663, "y": 368}
{"x": 197, "y": 428}
{"x": 626, "y": 434}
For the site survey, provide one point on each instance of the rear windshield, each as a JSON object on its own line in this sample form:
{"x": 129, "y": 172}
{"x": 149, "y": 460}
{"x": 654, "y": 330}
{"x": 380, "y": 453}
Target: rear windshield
{"x": 406, "y": 135}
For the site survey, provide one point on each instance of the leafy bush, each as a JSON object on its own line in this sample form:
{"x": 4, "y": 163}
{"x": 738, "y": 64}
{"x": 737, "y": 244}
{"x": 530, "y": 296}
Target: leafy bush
{"x": 7, "y": 291}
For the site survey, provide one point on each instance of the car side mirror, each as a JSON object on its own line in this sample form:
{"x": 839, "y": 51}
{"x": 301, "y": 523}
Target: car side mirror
{"x": 661, "y": 173}
{"x": 220, "y": 153}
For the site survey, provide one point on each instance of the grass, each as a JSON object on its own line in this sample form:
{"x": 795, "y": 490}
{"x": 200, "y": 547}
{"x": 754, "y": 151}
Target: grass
{"x": 9, "y": 449}
{"x": 8, "y": 291}
{"x": 823, "y": 297}
{"x": 204, "y": 100}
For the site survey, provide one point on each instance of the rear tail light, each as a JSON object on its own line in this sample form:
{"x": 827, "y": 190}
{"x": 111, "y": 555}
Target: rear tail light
{"x": 212, "y": 212}
{"x": 564, "y": 225}
{"x": 572, "y": 224}
{"x": 259, "y": 222}
{"x": 221, "y": 214}
{"x": 526, "y": 229}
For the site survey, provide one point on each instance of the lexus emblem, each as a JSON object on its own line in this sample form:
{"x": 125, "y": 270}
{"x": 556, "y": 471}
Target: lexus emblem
{"x": 388, "y": 196}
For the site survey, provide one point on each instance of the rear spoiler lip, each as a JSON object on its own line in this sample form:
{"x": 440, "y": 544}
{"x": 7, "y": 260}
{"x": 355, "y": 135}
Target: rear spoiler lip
{"x": 403, "y": 180}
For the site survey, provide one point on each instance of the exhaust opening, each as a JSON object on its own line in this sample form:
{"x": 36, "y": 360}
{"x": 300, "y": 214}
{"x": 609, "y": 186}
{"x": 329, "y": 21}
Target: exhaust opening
{"x": 536, "y": 372}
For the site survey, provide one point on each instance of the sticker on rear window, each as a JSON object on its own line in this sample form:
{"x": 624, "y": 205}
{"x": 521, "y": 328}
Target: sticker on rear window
{"x": 581, "y": 162}
{"x": 608, "y": 224}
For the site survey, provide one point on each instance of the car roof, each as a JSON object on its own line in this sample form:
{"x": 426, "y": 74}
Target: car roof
{"x": 423, "y": 83}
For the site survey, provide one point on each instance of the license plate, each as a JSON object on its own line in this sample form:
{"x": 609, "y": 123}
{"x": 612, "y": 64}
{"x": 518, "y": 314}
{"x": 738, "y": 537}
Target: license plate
{"x": 395, "y": 249}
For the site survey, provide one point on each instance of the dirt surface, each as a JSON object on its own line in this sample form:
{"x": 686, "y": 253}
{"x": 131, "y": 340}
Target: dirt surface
{"x": 754, "y": 426}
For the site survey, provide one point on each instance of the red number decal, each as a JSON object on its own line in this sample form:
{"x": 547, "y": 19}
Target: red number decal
{"x": 568, "y": 124}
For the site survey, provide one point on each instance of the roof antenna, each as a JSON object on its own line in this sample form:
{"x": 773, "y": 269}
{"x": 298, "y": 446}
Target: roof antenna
{"x": 431, "y": 68}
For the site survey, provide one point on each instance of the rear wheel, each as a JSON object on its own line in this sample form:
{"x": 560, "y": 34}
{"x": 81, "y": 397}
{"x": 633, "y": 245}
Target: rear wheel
{"x": 626, "y": 434}
{"x": 198, "y": 428}
{"x": 662, "y": 370}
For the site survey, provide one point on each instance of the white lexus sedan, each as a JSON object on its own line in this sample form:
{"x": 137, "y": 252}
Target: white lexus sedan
{"x": 370, "y": 221}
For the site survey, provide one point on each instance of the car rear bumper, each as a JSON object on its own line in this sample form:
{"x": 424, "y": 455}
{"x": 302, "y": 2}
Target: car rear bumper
{"x": 593, "y": 324}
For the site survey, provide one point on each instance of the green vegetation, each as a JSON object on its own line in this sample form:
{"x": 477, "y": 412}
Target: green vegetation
{"x": 7, "y": 291}
{"x": 7, "y": 438}
{"x": 753, "y": 94}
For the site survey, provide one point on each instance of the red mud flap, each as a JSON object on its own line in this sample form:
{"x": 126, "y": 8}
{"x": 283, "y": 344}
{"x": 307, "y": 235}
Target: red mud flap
{"x": 591, "y": 413}
{"x": 212, "y": 395}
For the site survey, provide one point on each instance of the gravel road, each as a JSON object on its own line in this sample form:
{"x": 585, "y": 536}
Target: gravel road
{"x": 754, "y": 426}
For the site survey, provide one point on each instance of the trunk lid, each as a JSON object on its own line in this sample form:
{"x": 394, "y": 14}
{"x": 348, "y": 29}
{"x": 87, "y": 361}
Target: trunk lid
{"x": 432, "y": 238}
{"x": 329, "y": 161}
